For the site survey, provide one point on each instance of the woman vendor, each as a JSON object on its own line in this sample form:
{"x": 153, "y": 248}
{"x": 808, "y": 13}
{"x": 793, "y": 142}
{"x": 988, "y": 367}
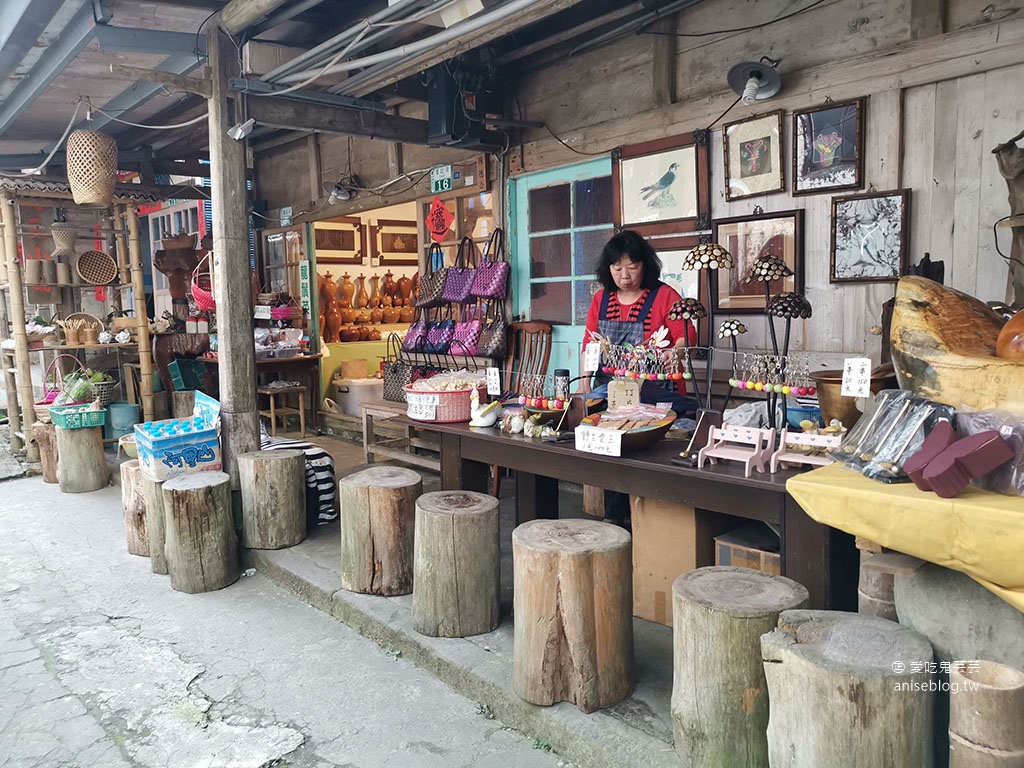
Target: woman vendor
{"x": 631, "y": 305}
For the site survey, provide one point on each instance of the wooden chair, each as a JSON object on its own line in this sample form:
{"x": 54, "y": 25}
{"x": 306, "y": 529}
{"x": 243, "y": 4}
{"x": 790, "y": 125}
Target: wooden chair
{"x": 750, "y": 445}
{"x": 529, "y": 350}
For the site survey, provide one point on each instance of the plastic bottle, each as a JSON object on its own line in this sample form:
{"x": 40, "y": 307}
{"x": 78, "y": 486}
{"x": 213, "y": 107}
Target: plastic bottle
{"x": 562, "y": 383}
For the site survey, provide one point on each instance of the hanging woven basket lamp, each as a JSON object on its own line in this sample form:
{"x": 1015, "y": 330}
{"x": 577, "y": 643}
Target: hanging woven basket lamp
{"x": 92, "y": 168}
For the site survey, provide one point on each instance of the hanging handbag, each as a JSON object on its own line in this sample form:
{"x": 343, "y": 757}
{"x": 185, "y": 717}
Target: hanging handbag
{"x": 397, "y": 371}
{"x": 491, "y": 280}
{"x": 467, "y": 331}
{"x": 461, "y": 276}
{"x": 440, "y": 333}
{"x": 494, "y": 334}
{"x": 432, "y": 281}
{"x": 416, "y": 336}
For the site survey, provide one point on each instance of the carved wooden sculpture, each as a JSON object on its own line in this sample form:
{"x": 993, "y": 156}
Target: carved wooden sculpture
{"x": 1010, "y": 159}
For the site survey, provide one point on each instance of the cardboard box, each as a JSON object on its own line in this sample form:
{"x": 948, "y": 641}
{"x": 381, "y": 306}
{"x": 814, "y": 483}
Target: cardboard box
{"x": 195, "y": 447}
{"x": 669, "y": 539}
{"x": 754, "y": 545}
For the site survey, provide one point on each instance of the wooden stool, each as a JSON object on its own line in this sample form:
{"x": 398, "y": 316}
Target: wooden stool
{"x": 457, "y": 564}
{"x": 844, "y": 691}
{"x": 201, "y": 545}
{"x": 273, "y": 485}
{"x": 81, "y": 465}
{"x": 133, "y": 505}
{"x": 719, "y": 694}
{"x": 378, "y": 517}
{"x": 277, "y": 408}
{"x": 985, "y": 715}
{"x": 45, "y": 435}
{"x": 153, "y": 498}
{"x": 573, "y": 607}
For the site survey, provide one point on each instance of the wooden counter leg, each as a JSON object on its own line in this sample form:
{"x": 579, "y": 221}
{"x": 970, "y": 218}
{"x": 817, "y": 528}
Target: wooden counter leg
{"x": 460, "y": 472}
{"x": 820, "y": 558}
{"x": 536, "y": 497}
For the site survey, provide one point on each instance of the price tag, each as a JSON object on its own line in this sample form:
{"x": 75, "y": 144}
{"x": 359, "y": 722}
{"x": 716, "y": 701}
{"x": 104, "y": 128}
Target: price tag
{"x": 261, "y": 312}
{"x": 856, "y": 377}
{"x": 422, "y": 406}
{"x": 1006, "y": 430}
{"x": 623, "y": 392}
{"x": 592, "y": 356}
{"x": 606, "y": 442}
{"x": 493, "y": 381}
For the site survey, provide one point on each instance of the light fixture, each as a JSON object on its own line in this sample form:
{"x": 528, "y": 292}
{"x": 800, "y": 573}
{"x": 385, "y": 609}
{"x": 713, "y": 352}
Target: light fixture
{"x": 344, "y": 190}
{"x": 755, "y": 80}
{"x": 239, "y": 131}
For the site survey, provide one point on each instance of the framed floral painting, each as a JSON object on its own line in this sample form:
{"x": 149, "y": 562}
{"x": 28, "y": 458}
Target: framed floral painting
{"x": 753, "y": 156}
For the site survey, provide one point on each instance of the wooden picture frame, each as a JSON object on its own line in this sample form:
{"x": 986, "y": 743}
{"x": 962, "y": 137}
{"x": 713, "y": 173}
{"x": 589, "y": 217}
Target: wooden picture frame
{"x": 339, "y": 240}
{"x": 663, "y": 187}
{"x": 870, "y": 234}
{"x": 828, "y": 148}
{"x": 688, "y": 283}
{"x": 780, "y": 234}
{"x": 394, "y": 242}
{"x": 753, "y": 156}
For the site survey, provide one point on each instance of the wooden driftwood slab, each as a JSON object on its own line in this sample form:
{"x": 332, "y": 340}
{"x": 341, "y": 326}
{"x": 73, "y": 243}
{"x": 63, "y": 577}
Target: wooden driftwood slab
{"x": 944, "y": 348}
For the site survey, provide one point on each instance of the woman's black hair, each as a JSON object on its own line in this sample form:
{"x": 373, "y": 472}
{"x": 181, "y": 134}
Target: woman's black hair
{"x": 628, "y": 243}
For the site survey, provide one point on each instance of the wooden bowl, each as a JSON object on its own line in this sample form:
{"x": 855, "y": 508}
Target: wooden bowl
{"x": 644, "y": 437}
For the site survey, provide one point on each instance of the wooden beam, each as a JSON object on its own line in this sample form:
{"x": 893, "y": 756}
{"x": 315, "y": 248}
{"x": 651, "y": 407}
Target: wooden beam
{"x": 239, "y": 15}
{"x": 313, "y": 156}
{"x": 663, "y": 69}
{"x": 278, "y": 112}
{"x": 199, "y": 85}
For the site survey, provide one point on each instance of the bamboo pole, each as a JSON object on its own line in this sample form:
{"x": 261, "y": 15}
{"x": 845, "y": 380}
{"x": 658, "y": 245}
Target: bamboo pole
{"x": 141, "y": 318}
{"x": 121, "y": 241}
{"x": 23, "y": 369}
{"x": 10, "y": 383}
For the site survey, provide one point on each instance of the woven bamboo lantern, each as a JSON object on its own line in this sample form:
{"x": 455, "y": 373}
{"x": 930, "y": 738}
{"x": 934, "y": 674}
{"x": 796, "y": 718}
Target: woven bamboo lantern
{"x": 92, "y": 167}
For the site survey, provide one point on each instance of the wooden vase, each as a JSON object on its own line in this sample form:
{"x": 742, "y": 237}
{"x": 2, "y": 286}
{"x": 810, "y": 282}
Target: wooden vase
{"x": 346, "y": 290}
{"x": 406, "y": 314}
{"x": 404, "y": 291}
{"x": 389, "y": 287}
{"x": 333, "y": 318}
{"x": 348, "y": 315}
{"x": 391, "y": 314}
{"x": 1010, "y": 342}
{"x": 363, "y": 299}
{"x": 376, "y": 315}
{"x": 375, "y": 294}
{"x": 328, "y": 289}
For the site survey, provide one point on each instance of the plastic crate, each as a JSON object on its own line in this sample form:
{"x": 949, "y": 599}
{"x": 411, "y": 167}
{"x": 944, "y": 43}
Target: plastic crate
{"x": 77, "y": 416}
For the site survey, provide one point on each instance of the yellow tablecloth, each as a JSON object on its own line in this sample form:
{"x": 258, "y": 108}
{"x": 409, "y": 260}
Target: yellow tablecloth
{"x": 978, "y": 533}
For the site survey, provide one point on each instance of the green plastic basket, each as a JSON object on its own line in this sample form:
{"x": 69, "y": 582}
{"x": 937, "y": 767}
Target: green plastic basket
{"x": 77, "y": 416}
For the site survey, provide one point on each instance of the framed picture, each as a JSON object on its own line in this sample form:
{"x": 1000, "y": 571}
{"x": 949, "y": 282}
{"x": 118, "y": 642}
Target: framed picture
{"x": 689, "y": 283}
{"x": 753, "y": 156}
{"x": 663, "y": 187}
{"x": 869, "y": 236}
{"x": 339, "y": 240}
{"x": 747, "y": 238}
{"x": 394, "y": 242}
{"x": 828, "y": 148}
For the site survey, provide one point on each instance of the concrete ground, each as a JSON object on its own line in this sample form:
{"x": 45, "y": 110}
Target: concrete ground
{"x": 109, "y": 666}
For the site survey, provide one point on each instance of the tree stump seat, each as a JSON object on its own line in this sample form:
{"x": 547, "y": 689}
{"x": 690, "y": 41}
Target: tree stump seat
{"x": 573, "y": 609}
{"x": 133, "y": 505}
{"x": 456, "y": 572}
{"x": 81, "y": 465}
{"x": 201, "y": 545}
{"x": 719, "y": 693}
{"x": 273, "y": 486}
{"x": 378, "y": 517}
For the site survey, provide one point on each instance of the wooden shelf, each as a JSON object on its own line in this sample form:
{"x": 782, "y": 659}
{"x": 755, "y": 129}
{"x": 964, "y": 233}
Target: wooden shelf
{"x": 73, "y": 285}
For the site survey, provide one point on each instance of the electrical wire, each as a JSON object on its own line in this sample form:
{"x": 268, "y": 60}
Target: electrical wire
{"x": 193, "y": 121}
{"x": 59, "y": 143}
{"x": 737, "y": 29}
{"x": 338, "y": 57}
{"x": 567, "y": 146}
{"x": 1011, "y": 260}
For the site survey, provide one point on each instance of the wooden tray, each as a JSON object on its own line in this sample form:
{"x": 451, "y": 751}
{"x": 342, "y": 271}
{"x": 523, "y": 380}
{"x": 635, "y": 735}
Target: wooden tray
{"x": 97, "y": 267}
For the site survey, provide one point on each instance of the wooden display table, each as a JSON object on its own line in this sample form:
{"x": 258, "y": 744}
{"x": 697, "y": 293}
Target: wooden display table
{"x": 400, "y": 448}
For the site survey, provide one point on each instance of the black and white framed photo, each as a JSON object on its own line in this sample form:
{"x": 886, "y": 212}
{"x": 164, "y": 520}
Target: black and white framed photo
{"x": 869, "y": 236}
{"x": 753, "y": 156}
{"x": 828, "y": 148}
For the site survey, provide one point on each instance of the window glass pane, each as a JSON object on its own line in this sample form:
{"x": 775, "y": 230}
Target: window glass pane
{"x": 586, "y": 249}
{"x": 549, "y": 208}
{"x": 585, "y": 290}
{"x": 477, "y": 216}
{"x": 593, "y": 202}
{"x": 551, "y": 302}
{"x": 549, "y": 256}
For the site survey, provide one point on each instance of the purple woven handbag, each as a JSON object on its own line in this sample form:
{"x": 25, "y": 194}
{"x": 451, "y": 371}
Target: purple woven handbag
{"x": 416, "y": 336}
{"x": 492, "y": 273}
{"x": 461, "y": 277}
{"x": 433, "y": 280}
{"x": 440, "y": 333}
{"x": 467, "y": 331}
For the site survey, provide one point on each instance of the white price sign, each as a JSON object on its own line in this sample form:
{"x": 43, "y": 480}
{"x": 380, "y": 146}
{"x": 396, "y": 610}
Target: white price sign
{"x": 592, "y": 356}
{"x": 422, "y": 406}
{"x": 856, "y": 377}
{"x": 261, "y": 312}
{"x": 606, "y": 442}
{"x": 493, "y": 382}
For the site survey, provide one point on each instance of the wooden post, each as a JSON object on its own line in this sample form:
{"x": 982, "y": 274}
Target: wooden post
{"x": 237, "y": 369}
{"x": 201, "y": 546}
{"x": 46, "y": 439}
{"x": 133, "y": 505}
{"x": 839, "y": 695}
{"x": 26, "y": 398}
{"x": 140, "y": 315}
{"x": 573, "y": 607}
{"x": 273, "y": 485}
{"x": 378, "y": 516}
{"x": 153, "y": 498}
{"x": 986, "y": 715}
{"x": 82, "y": 467}
{"x": 719, "y": 693}
{"x": 457, "y": 564}
{"x": 183, "y": 404}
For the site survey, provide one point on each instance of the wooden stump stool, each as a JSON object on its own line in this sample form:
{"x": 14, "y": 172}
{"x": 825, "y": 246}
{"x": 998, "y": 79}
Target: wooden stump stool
{"x": 273, "y": 487}
{"x": 45, "y": 435}
{"x": 457, "y": 562}
{"x": 153, "y": 499}
{"x": 719, "y": 693}
{"x": 82, "y": 466}
{"x": 201, "y": 545}
{"x": 843, "y": 694}
{"x": 986, "y": 715}
{"x": 378, "y": 517}
{"x": 573, "y": 606}
{"x": 133, "y": 505}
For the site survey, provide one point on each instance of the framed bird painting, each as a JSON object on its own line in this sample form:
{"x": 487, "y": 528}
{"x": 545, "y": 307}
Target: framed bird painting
{"x": 662, "y": 187}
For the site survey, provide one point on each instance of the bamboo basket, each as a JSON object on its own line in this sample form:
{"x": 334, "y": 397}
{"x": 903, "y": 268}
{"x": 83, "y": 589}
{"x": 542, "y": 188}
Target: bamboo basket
{"x": 97, "y": 267}
{"x": 92, "y": 167}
